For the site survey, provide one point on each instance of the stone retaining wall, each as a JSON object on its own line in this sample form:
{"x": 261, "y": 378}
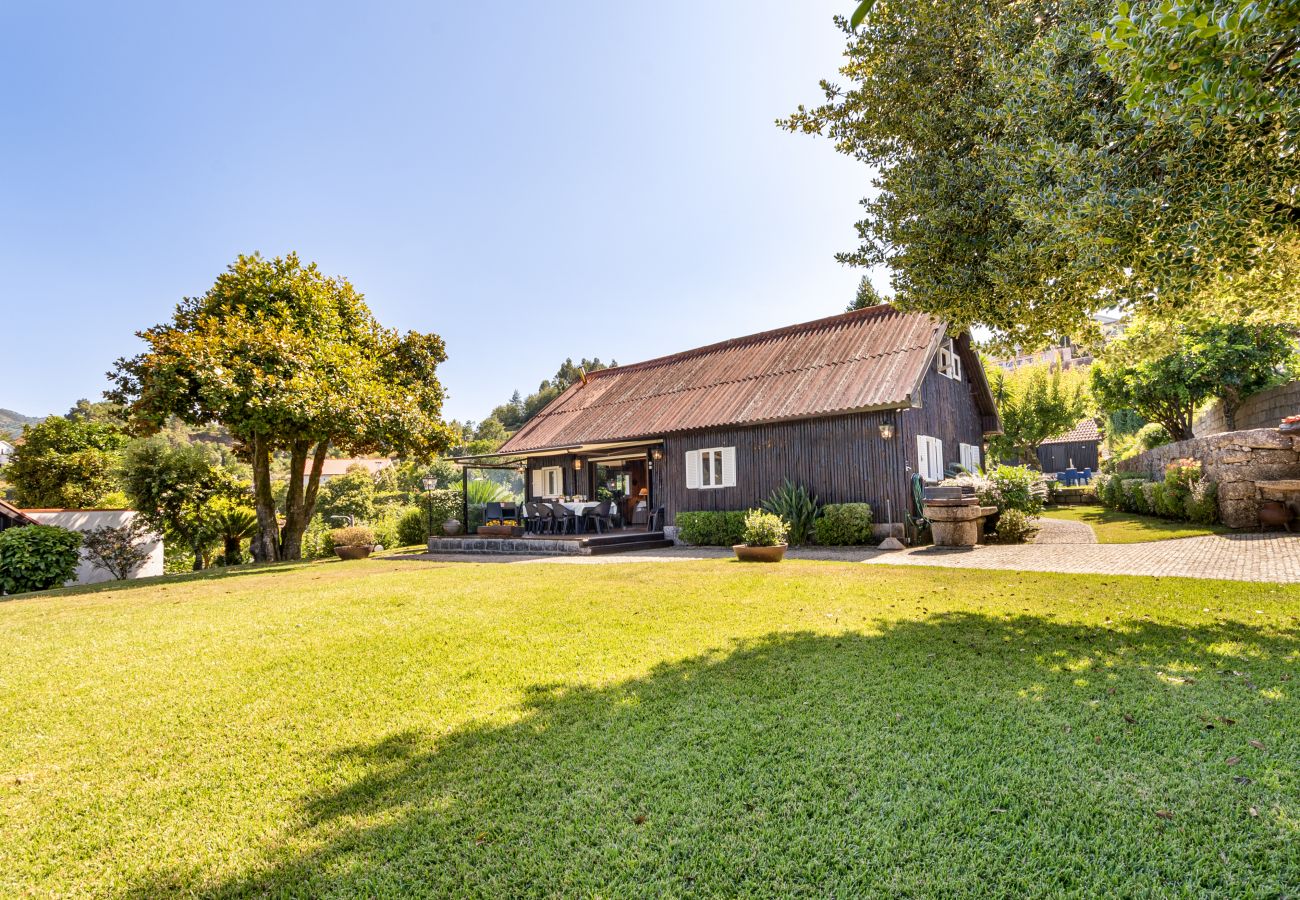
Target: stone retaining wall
{"x": 534, "y": 546}
{"x": 1263, "y": 410}
{"x": 1237, "y": 461}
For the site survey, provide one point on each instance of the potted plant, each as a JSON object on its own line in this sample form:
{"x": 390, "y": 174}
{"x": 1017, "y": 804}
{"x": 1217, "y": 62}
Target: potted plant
{"x": 354, "y": 542}
{"x": 451, "y": 527}
{"x": 765, "y": 535}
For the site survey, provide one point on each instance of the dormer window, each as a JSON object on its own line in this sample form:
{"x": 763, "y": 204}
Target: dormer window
{"x": 948, "y": 361}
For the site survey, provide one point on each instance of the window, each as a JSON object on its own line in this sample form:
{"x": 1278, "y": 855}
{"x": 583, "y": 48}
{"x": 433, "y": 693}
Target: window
{"x": 548, "y": 483}
{"x": 929, "y": 455}
{"x": 970, "y": 457}
{"x": 948, "y": 360}
{"x": 711, "y": 468}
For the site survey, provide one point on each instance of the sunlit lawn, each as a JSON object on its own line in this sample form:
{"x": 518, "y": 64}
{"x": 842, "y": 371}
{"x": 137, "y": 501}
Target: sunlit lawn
{"x": 1113, "y": 527}
{"x": 392, "y": 728}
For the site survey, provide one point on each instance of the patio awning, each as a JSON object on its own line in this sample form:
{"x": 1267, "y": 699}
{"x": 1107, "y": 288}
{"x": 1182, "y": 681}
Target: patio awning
{"x": 606, "y": 449}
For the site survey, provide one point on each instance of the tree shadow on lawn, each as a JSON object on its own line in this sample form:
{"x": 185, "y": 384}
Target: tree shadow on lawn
{"x": 963, "y": 754}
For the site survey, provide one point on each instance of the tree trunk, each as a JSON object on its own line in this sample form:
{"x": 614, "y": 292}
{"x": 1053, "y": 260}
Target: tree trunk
{"x": 265, "y": 546}
{"x": 1231, "y": 403}
{"x": 300, "y": 503}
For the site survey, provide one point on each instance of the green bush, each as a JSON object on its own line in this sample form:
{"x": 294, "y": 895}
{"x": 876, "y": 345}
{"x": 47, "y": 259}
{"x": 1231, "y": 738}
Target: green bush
{"x": 711, "y": 528}
{"x": 413, "y": 527}
{"x": 1152, "y": 435}
{"x": 1018, "y": 488}
{"x": 1202, "y": 503}
{"x": 37, "y": 557}
{"x": 797, "y": 507}
{"x": 318, "y": 539}
{"x": 843, "y": 525}
{"x": 1015, "y": 527}
{"x": 1134, "y": 499}
{"x": 765, "y": 529}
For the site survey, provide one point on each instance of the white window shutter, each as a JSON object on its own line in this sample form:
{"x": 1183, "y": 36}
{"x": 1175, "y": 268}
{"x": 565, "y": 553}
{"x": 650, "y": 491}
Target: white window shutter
{"x": 728, "y": 466}
{"x": 539, "y": 483}
{"x": 938, "y": 459}
{"x": 923, "y": 456}
{"x": 692, "y": 470}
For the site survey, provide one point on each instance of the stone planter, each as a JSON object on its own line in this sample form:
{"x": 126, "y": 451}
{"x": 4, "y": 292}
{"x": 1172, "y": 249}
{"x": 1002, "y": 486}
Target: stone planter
{"x": 352, "y": 552}
{"x": 451, "y": 527}
{"x": 746, "y": 553}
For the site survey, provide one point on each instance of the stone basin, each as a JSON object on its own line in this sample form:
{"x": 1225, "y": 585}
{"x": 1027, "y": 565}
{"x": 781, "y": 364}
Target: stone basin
{"x": 957, "y": 523}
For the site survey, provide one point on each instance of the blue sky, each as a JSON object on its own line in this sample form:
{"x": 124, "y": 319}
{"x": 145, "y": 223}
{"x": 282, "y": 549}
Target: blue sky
{"x": 530, "y": 181}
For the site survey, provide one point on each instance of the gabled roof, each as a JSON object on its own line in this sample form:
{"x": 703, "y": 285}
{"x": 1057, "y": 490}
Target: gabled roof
{"x": 14, "y": 515}
{"x": 867, "y": 359}
{"x": 1086, "y": 430}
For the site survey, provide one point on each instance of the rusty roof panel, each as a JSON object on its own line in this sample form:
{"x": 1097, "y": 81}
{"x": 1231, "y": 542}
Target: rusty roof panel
{"x": 865, "y": 359}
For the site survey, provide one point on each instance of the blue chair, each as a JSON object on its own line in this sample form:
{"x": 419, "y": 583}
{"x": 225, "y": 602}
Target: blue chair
{"x": 1087, "y": 476}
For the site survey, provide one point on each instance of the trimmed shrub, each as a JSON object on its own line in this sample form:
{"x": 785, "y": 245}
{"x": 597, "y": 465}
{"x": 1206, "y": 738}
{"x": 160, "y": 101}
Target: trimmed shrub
{"x": 765, "y": 529}
{"x": 1134, "y": 500}
{"x": 413, "y": 527}
{"x": 843, "y": 525}
{"x": 37, "y": 557}
{"x": 711, "y": 529}
{"x": 318, "y": 539}
{"x": 1148, "y": 494}
{"x": 356, "y": 536}
{"x": 1015, "y": 527}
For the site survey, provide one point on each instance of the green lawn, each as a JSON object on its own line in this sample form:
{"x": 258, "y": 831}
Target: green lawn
{"x": 1114, "y": 527}
{"x": 396, "y": 728}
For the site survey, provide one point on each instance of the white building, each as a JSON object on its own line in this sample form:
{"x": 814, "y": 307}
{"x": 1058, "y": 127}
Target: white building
{"x": 6, "y": 451}
{"x": 85, "y": 520}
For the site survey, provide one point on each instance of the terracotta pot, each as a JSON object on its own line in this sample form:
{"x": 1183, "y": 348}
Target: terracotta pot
{"x": 746, "y": 553}
{"x": 451, "y": 527}
{"x": 352, "y": 552}
{"x": 1274, "y": 513}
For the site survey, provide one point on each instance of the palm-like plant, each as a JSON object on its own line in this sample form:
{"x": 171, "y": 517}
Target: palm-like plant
{"x": 233, "y": 525}
{"x": 797, "y": 507}
{"x": 481, "y": 491}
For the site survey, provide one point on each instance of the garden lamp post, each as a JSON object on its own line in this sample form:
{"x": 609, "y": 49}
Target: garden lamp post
{"x": 430, "y": 483}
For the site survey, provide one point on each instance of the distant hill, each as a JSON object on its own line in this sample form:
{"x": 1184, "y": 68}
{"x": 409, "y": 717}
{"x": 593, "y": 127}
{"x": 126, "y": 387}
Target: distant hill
{"x": 11, "y": 423}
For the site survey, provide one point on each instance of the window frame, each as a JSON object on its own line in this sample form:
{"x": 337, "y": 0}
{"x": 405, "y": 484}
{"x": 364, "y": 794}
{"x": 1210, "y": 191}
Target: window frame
{"x": 948, "y": 360}
{"x": 545, "y": 472}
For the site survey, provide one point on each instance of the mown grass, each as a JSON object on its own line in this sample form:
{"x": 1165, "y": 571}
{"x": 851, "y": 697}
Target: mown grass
{"x": 389, "y": 728}
{"x": 1114, "y": 527}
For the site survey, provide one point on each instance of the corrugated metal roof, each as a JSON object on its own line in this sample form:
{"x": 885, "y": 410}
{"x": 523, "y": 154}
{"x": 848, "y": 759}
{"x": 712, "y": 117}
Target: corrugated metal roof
{"x": 866, "y": 359}
{"x": 1086, "y": 430}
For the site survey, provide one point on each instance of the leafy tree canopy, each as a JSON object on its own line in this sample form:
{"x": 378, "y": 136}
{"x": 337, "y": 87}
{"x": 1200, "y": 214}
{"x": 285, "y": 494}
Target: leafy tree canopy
{"x": 288, "y": 359}
{"x": 65, "y": 463}
{"x": 1015, "y": 186}
{"x": 1035, "y": 403}
{"x": 1165, "y": 371}
{"x": 517, "y": 410}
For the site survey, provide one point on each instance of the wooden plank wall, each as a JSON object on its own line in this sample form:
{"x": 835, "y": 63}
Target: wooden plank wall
{"x": 1057, "y": 457}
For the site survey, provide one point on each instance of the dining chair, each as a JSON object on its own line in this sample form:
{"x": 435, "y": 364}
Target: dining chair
{"x": 598, "y": 516}
{"x": 564, "y": 517}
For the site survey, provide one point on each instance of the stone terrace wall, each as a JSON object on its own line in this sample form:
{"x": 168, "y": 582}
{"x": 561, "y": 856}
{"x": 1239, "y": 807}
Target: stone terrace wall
{"x": 1263, "y": 410}
{"x": 1236, "y": 460}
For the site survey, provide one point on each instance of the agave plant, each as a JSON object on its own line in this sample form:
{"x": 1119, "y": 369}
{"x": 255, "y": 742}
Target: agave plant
{"x": 798, "y": 508}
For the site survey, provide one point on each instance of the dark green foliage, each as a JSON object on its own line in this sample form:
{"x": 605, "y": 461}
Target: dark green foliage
{"x": 1015, "y": 527}
{"x": 234, "y": 524}
{"x": 867, "y": 295}
{"x": 1152, "y": 435}
{"x": 65, "y": 463}
{"x": 797, "y": 507}
{"x": 413, "y": 527}
{"x": 518, "y": 410}
{"x": 843, "y": 525}
{"x": 349, "y": 494}
{"x": 712, "y": 528}
{"x": 37, "y": 557}
{"x": 1017, "y": 488}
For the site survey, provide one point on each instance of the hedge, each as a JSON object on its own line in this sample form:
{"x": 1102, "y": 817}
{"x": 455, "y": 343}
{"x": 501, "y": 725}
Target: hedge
{"x": 843, "y": 525}
{"x": 712, "y": 529}
{"x": 37, "y": 557}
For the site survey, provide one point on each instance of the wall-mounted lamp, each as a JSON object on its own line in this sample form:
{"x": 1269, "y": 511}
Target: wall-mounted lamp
{"x": 656, "y": 454}
{"x": 577, "y": 464}
{"x": 887, "y": 430}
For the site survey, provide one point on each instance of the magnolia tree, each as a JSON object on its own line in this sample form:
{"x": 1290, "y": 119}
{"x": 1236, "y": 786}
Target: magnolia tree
{"x": 290, "y": 361}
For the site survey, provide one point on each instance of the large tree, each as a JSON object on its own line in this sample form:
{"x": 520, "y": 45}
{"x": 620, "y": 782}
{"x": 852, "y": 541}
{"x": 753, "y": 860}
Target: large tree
{"x": 1166, "y": 371}
{"x": 290, "y": 361}
{"x": 65, "y": 463}
{"x": 1035, "y": 403}
{"x": 1017, "y": 188}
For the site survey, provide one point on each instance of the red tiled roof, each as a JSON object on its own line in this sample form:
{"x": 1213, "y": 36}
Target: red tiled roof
{"x": 1086, "y": 430}
{"x": 867, "y": 359}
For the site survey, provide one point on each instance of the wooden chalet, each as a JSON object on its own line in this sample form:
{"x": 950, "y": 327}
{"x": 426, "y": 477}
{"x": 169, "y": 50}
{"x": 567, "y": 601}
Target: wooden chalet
{"x": 848, "y": 406}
